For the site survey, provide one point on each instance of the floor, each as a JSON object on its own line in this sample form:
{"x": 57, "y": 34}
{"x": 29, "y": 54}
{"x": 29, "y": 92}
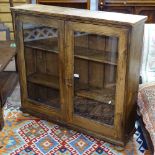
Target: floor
{"x": 27, "y": 135}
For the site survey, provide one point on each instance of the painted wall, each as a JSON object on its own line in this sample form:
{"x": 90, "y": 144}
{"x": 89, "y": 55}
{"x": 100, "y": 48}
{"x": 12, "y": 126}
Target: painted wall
{"x": 93, "y": 4}
{"x": 5, "y": 14}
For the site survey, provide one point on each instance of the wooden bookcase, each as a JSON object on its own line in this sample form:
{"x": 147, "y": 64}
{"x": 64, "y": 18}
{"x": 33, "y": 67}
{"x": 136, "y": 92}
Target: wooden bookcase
{"x": 80, "y": 68}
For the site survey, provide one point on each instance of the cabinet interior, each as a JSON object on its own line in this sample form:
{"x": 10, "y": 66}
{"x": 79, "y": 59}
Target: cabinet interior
{"x": 94, "y": 71}
{"x": 42, "y": 64}
{"x": 95, "y": 64}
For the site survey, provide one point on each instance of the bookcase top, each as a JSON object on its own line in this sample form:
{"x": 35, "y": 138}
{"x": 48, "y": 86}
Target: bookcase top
{"x": 80, "y": 14}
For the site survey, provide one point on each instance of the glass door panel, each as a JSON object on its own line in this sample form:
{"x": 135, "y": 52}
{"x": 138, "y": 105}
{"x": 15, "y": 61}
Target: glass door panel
{"x": 95, "y": 68}
{"x": 41, "y": 51}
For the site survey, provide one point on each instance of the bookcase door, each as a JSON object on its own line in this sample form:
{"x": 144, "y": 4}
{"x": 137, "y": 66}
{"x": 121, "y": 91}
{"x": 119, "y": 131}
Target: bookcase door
{"x": 42, "y": 69}
{"x": 96, "y": 77}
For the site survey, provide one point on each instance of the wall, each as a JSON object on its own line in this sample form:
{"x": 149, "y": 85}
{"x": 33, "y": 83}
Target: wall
{"x": 93, "y": 4}
{"x": 5, "y": 14}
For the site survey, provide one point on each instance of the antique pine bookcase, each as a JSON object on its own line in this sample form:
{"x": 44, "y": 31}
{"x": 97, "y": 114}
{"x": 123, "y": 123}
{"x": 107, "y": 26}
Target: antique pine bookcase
{"x": 80, "y": 68}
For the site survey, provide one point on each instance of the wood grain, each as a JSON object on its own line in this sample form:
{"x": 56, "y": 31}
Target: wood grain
{"x": 79, "y": 14}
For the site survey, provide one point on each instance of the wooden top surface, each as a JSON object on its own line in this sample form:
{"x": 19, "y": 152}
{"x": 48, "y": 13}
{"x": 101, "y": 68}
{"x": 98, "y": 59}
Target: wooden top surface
{"x": 86, "y": 15}
{"x": 6, "y": 54}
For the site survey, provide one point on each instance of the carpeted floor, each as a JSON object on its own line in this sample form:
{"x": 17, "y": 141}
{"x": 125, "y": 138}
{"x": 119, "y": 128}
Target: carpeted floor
{"x": 27, "y": 135}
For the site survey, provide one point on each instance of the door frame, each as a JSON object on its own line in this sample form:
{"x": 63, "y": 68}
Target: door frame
{"x": 26, "y": 103}
{"x": 117, "y": 130}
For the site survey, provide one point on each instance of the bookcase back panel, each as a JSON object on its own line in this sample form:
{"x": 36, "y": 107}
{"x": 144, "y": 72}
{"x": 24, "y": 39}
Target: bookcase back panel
{"x": 41, "y": 52}
{"x": 95, "y": 65}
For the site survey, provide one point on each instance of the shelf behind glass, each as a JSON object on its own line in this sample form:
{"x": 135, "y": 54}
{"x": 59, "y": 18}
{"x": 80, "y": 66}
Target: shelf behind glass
{"x": 44, "y": 80}
{"x": 50, "y": 44}
{"x": 96, "y": 55}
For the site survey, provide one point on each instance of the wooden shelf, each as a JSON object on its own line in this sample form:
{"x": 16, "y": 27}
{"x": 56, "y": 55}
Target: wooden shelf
{"x": 51, "y": 97}
{"x": 94, "y": 110}
{"x": 50, "y": 45}
{"x": 100, "y": 95}
{"x": 44, "y": 79}
{"x": 96, "y": 55}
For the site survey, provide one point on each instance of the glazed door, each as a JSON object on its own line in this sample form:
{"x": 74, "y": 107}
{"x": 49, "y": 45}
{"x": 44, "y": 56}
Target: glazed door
{"x": 96, "y": 69}
{"x": 41, "y": 60}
